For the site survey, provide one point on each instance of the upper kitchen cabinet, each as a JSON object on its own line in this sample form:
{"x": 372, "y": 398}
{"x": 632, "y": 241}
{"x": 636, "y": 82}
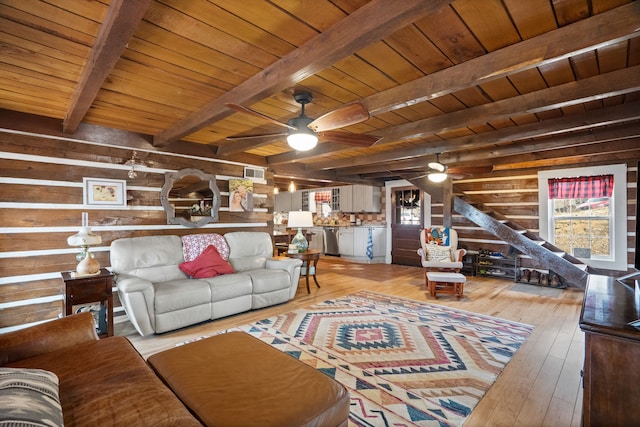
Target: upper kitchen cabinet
{"x": 287, "y": 201}
{"x": 296, "y": 201}
{"x": 346, "y": 198}
{"x": 366, "y": 198}
{"x": 282, "y": 202}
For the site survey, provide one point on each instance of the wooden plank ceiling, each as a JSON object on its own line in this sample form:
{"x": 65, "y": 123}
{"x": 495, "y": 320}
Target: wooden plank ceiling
{"x": 505, "y": 84}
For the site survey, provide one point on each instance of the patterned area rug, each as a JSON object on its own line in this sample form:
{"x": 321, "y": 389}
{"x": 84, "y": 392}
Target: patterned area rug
{"x": 404, "y": 362}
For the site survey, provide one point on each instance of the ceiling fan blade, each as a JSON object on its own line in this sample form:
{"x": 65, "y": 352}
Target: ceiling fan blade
{"x": 469, "y": 170}
{"x": 246, "y": 110}
{"x": 240, "y": 143}
{"x": 264, "y": 135}
{"x": 359, "y": 140}
{"x": 344, "y": 116}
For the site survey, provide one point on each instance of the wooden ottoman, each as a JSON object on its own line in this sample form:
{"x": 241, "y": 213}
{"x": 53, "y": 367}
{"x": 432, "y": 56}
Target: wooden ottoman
{"x": 234, "y": 379}
{"x": 446, "y": 283}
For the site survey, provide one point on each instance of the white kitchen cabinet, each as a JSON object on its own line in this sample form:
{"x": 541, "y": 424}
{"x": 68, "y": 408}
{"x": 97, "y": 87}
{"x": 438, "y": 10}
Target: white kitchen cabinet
{"x": 345, "y": 241}
{"x": 366, "y": 198}
{"x": 361, "y": 239}
{"x": 282, "y": 202}
{"x": 296, "y": 201}
{"x": 346, "y": 198}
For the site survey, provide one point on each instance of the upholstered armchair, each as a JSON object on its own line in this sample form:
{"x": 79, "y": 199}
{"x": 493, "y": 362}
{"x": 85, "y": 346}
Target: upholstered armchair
{"x": 439, "y": 250}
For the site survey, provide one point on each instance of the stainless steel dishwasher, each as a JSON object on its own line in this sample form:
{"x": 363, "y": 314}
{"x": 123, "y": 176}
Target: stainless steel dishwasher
{"x": 331, "y": 241}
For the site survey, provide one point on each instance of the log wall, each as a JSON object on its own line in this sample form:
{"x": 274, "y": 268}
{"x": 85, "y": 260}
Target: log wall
{"x": 41, "y": 204}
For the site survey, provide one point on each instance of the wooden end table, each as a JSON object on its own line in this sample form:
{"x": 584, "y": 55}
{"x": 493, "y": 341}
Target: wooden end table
{"x": 308, "y": 257}
{"x": 90, "y": 289}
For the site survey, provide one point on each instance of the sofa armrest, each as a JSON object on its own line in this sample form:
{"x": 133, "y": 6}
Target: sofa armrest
{"x": 129, "y": 283}
{"x": 292, "y": 267}
{"x": 288, "y": 265}
{"x": 137, "y": 296}
{"x": 47, "y": 337}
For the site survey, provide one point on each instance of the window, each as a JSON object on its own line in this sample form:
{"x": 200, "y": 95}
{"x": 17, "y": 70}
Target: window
{"x": 583, "y": 212}
{"x": 407, "y": 207}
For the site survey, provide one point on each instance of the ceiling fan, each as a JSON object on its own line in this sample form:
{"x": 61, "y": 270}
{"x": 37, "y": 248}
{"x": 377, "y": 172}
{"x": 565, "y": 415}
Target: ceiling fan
{"x": 438, "y": 172}
{"x": 303, "y": 132}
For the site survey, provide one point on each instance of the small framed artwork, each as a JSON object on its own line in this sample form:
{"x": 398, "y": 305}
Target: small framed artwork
{"x": 104, "y": 192}
{"x": 240, "y": 195}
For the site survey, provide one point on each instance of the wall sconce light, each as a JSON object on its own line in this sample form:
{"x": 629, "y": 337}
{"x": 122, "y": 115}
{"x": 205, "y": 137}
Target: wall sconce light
{"x": 133, "y": 162}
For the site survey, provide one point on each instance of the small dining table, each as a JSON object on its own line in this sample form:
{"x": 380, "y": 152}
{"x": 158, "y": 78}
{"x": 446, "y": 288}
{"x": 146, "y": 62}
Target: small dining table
{"x": 308, "y": 257}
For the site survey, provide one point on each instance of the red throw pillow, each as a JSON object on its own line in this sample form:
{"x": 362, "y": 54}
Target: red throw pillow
{"x": 208, "y": 264}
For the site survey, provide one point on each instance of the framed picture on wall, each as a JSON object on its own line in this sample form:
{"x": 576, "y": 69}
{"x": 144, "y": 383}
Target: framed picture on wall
{"x": 104, "y": 192}
{"x": 240, "y": 195}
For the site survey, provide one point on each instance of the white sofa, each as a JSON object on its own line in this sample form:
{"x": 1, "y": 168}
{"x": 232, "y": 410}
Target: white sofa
{"x": 158, "y": 297}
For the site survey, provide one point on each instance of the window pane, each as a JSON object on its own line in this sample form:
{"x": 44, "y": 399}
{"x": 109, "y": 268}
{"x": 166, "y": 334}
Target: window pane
{"x": 582, "y": 224}
{"x": 407, "y": 207}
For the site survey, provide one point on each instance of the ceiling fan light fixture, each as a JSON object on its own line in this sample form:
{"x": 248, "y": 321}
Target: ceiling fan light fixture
{"x": 437, "y": 177}
{"x": 302, "y": 141}
{"x": 303, "y": 138}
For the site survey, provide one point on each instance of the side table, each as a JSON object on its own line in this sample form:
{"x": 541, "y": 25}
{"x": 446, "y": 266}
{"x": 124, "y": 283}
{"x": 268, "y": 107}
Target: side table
{"x": 308, "y": 257}
{"x": 91, "y": 289}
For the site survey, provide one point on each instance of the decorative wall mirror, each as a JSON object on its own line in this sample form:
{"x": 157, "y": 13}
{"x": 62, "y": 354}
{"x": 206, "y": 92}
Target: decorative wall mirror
{"x": 190, "y": 197}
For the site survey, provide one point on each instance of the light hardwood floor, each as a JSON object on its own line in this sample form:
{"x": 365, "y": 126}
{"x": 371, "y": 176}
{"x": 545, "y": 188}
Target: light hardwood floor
{"x": 541, "y": 386}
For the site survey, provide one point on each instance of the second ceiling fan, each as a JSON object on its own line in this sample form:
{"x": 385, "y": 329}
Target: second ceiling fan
{"x": 304, "y": 132}
{"x": 438, "y": 172}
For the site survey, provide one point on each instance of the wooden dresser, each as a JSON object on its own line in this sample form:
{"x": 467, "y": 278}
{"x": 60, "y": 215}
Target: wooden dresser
{"x": 612, "y": 354}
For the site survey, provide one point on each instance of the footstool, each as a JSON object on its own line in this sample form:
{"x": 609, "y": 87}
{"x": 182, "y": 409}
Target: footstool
{"x": 234, "y": 379}
{"x": 446, "y": 283}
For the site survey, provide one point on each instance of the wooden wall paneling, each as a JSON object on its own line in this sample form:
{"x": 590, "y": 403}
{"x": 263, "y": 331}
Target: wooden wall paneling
{"x": 41, "y": 201}
{"x": 29, "y": 290}
{"x": 26, "y": 314}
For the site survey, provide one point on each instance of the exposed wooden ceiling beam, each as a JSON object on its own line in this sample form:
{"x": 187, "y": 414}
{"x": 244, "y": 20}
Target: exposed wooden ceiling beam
{"x": 598, "y": 31}
{"x": 373, "y": 21}
{"x": 494, "y": 155}
{"x": 602, "y": 86}
{"x": 588, "y": 120}
{"x": 593, "y": 153}
{"x": 598, "y": 87}
{"x": 118, "y": 26}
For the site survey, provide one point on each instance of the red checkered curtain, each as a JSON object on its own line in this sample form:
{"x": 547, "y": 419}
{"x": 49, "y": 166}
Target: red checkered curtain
{"x": 581, "y": 187}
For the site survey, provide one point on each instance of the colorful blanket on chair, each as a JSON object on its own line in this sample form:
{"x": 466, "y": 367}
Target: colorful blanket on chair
{"x": 437, "y": 236}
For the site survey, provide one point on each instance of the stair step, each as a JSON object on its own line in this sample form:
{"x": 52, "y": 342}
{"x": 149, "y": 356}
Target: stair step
{"x": 560, "y": 254}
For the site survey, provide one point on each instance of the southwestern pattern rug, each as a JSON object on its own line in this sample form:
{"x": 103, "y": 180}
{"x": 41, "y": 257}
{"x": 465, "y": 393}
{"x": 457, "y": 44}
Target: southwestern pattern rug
{"x": 404, "y": 362}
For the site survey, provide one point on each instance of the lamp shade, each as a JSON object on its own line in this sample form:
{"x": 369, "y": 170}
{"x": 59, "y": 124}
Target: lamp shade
{"x": 84, "y": 237}
{"x": 299, "y": 219}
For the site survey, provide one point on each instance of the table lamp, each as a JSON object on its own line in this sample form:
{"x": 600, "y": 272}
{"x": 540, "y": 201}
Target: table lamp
{"x": 299, "y": 219}
{"x": 85, "y": 238}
